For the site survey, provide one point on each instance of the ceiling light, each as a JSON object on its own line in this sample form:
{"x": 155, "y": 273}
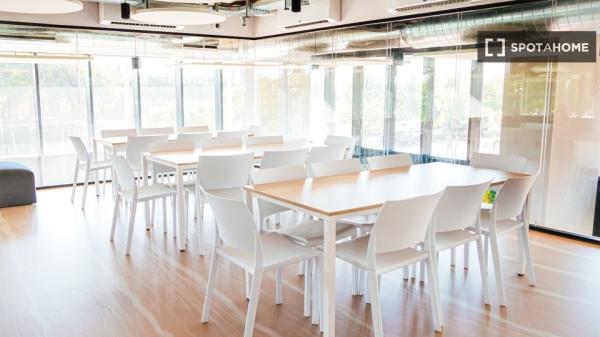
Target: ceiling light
{"x": 41, "y": 6}
{"x": 178, "y": 16}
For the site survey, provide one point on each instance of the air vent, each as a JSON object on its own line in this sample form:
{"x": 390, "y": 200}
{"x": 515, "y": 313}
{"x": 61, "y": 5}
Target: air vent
{"x": 430, "y": 6}
{"x": 136, "y": 24}
{"x": 306, "y": 24}
{"x": 195, "y": 46}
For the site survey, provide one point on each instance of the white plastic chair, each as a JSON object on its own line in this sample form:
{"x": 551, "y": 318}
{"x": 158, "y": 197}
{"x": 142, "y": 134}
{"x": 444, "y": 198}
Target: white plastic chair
{"x": 198, "y": 138}
{"x": 130, "y": 192}
{"x": 390, "y": 161}
{"x": 326, "y": 153}
{"x": 401, "y": 225}
{"x": 137, "y": 145}
{"x": 156, "y": 131}
{"x": 219, "y": 175}
{"x": 238, "y": 241}
{"x": 273, "y": 159}
{"x": 257, "y": 130}
{"x": 85, "y": 163}
{"x": 215, "y": 143}
{"x": 118, "y": 133}
{"x": 348, "y": 142}
{"x": 335, "y": 167}
{"x": 198, "y": 128}
{"x": 509, "y": 213}
{"x": 241, "y": 134}
{"x": 262, "y": 140}
{"x": 458, "y": 222}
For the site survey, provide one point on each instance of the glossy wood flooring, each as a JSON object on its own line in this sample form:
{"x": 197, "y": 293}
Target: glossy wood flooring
{"x": 60, "y": 276}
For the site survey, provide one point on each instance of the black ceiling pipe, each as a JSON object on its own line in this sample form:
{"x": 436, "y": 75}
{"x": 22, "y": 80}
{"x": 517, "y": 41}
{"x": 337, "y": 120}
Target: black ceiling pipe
{"x": 125, "y": 11}
{"x": 296, "y": 6}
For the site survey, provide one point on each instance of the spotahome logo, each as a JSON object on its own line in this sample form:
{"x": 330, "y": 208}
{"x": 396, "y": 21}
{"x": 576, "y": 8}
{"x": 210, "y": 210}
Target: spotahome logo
{"x": 536, "y": 46}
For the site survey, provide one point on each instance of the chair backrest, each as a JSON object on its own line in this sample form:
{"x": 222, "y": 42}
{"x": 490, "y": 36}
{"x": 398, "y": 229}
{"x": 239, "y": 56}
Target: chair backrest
{"x": 402, "y": 224}
{"x": 335, "y": 167}
{"x": 80, "y": 149}
{"x": 460, "y": 207}
{"x": 125, "y": 177}
{"x": 390, "y": 161}
{"x": 257, "y": 130}
{"x": 512, "y": 196}
{"x": 326, "y": 153}
{"x": 261, "y": 140}
{"x": 283, "y": 158}
{"x": 118, "y": 133}
{"x": 156, "y": 131}
{"x": 198, "y": 128}
{"x": 498, "y": 162}
{"x": 176, "y": 145}
{"x": 277, "y": 174}
{"x": 139, "y": 144}
{"x": 198, "y": 138}
{"x": 348, "y": 142}
{"x": 212, "y": 143}
{"x": 223, "y": 172}
{"x": 235, "y": 224}
{"x": 232, "y": 134}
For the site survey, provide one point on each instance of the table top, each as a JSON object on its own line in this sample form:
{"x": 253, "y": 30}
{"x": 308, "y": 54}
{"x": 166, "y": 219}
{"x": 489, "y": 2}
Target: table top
{"x": 368, "y": 190}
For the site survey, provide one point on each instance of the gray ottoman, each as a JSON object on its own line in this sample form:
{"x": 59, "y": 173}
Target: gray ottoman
{"x": 17, "y": 185}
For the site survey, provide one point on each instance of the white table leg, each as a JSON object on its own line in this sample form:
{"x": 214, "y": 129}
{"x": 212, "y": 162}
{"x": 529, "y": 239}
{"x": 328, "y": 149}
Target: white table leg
{"x": 145, "y": 183}
{"x": 182, "y": 236}
{"x": 329, "y": 278}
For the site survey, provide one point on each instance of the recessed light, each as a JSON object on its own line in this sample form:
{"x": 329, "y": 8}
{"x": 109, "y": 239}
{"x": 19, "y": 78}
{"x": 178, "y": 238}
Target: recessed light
{"x": 41, "y": 6}
{"x": 180, "y": 16}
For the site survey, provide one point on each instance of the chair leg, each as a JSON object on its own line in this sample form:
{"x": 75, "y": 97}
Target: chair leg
{"x": 199, "y": 227}
{"x": 75, "y": 181}
{"x": 497, "y": 268}
{"x": 435, "y": 298}
{"x": 316, "y": 293}
{"x": 406, "y": 273}
{"x": 152, "y": 214}
{"x": 521, "y": 254}
{"x": 466, "y": 255}
{"x": 85, "y": 186}
{"x": 375, "y": 303}
{"x": 278, "y": 286}
{"x": 254, "y": 294}
{"x": 248, "y": 279}
{"x": 301, "y": 269}
{"x": 486, "y": 249}
{"x": 210, "y": 286}
{"x": 453, "y": 257}
{"x": 483, "y": 271}
{"x": 164, "y": 214}
{"x": 174, "y": 211}
{"x": 308, "y": 287}
{"x": 130, "y": 229}
{"x": 114, "y": 219}
{"x": 97, "y": 182}
{"x": 355, "y": 281}
{"x": 421, "y": 271}
{"x": 528, "y": 259}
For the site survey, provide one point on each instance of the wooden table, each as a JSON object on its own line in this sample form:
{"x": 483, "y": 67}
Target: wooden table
{"x": 181, "y": 161}
{"x": 330, "y": 198}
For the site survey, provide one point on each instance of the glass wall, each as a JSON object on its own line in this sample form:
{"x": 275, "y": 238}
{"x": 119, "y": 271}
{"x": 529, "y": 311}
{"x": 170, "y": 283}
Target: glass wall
{"x": 238, "y": 96}
{"x": 199, "y": 97}
{"x": 157, "y": 93}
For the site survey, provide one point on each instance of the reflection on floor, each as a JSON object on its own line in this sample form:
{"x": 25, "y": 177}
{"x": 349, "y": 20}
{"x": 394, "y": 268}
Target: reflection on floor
{"x": 60, "y": 276}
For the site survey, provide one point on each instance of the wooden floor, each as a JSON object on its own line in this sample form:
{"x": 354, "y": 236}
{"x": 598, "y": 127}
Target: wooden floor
{"x": 60, "y": 276}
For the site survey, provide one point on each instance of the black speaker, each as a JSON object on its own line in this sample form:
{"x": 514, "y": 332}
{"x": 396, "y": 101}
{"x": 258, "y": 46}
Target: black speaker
{"x": 125, "y": 11}
{"x": 296, "y": 6}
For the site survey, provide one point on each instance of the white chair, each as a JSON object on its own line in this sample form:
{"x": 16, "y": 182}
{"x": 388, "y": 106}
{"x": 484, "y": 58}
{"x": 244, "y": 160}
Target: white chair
{"x": 137, "y": 145}
{"x": 198, "y": 138}
{"x": 262, "y": 140}
{"x": 130, "y": 192}
{"x": 219, "y": 175}
{"x": 257, "y": 130}
{"x": 335, "y": 167}
{"x": 319, "y": 154}
{"x": 509, "y": 213}
{"x": 156, "y": 131}
{"x": 390, "y": 161}
{"x": 189, "y": 129}
{"x": 85, "y": 163}
{"x": 273, "y": 159}
{"x": 401, "y": 225}
{"x": 238, "y": 241}
{"x": 458, "y": 222}
{"x": 233, "y": 134}
{"x": 118, "y": 133}
{"x": 215, "y": 143}
{"x": 348, "y": 142}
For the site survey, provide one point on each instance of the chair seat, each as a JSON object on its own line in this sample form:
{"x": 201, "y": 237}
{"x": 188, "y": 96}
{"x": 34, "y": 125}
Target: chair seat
{"x": 502, "y": 226}
{"x": 311, "y": 232}
{"x": 355, "y": 252}
{"x": 450, "y": 239}
{"x": 364, "y": 221}
{"x": 277, "y": 251}
{"x": 150, "y": 192}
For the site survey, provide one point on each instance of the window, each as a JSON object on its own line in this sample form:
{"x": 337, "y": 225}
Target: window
{"x": 236, "y": 112}
{"x": 199, "y": 97}
{"x": 373, "y": 106}
{"x": 268, "y": 98}
{"x": 299, "y": 102}
{"x": 408, "y": 83}
{"x": 491, "y": 114}
{"x": 342, "y": 115}
{"x": 157, "y": 91}
{"x": 113, "y": 93}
